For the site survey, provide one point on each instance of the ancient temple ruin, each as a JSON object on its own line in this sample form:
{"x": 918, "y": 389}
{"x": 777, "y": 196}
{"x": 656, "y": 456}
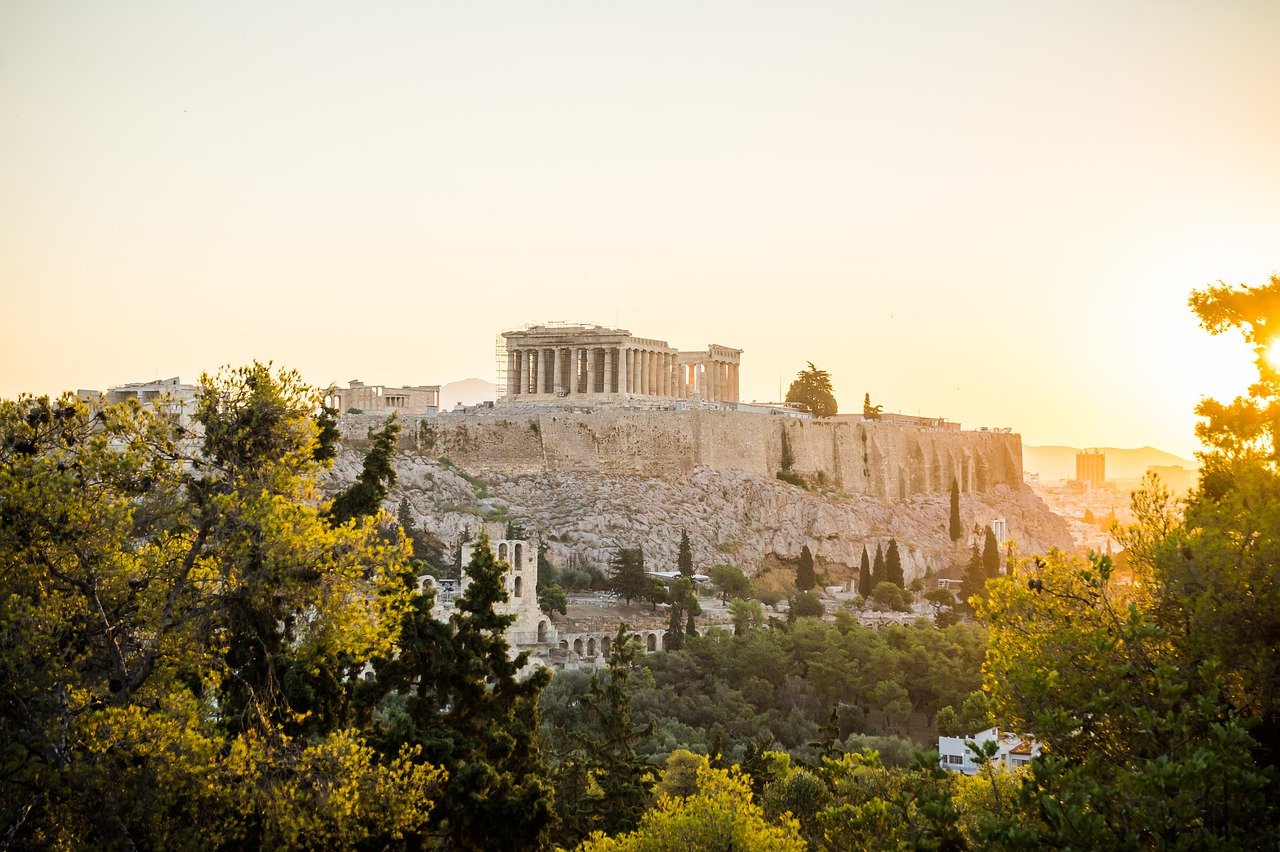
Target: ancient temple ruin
{"x": 594, "y": 364}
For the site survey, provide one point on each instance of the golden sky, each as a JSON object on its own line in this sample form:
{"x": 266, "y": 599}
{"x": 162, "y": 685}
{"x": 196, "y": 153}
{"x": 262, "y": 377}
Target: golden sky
{"x": 992, "y": 212}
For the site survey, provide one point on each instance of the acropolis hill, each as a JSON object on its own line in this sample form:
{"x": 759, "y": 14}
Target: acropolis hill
{"x": 595, "y": 422}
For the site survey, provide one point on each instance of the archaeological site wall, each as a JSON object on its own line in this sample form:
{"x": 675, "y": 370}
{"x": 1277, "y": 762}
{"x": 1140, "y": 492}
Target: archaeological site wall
{"x": 881, "y": 459}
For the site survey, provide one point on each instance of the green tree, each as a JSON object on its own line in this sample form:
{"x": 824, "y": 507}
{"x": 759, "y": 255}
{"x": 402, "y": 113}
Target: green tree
{"x": 718, "y": 814}
{"x": 747, "y": 615}
{"x": 940, "y": 598}
{"x": 684, "y": 560}
{"x": 553, "y": 599}
{"x": 802, "y": 795}
{"x": 364, "y": 496}
{"x": 806, "y": 577}
{"x": 731, "y": 582}
{"x": 893, "y": 565}
{"x": 327, "y": 435}
{"x": 1180, "y": 660}
{"x": 617, "y": 793}
{"x": 955, "y": 528}
{"x": 807, "y": 605}
{"x": 179, "y": 625}
{"x": 864, "y": 574}
{"x": 869, "y": 411}
{"x": 878, "y": 568}
{"x": 627, "y": 575}
{"x": 975, "y": 576}
{"x": 454, "y": 691}
{"x": 680, "y": 593}
{"x": 990, "y": 554}
{"x": 891, "y": 596}
{"x": 692, "y": 609}
{"x": 811, "y": 391}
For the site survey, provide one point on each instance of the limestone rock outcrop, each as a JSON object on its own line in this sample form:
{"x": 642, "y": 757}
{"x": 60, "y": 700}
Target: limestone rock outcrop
{"x": 736, "y": 516}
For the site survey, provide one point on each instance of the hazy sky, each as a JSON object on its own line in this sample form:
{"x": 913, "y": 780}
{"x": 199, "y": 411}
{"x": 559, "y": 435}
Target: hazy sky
{"x": 992, "y": 212}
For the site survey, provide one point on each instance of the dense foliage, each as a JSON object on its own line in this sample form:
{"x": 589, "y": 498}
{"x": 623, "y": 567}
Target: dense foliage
{"x": 180, "y": 624}
{"x": 202, "y": 651}
{"x": 811, "y": 390}
{"x": 782, "y": 686}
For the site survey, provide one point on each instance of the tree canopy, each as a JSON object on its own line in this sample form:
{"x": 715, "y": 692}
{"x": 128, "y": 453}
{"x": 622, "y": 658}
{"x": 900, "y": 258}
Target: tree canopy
{"x": 182, "y": 624}
{"x": 811, "y": 390}
{"x": 627, "y": 576}
{"x": 1157, "y": 691}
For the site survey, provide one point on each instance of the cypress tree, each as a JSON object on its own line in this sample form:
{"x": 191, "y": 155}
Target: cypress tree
{"x": 974, "y": 575}
{"x": 806, "y": 578}
{"x": 956, "y": 529}
{"x": 685, "y": 559}
{"x": 864, "y": 575}
{"x": 990, "y": 554}
{"x": 893, "y": 565}
{"x": 680, "y": 592}
{"x": 877, "y": 568}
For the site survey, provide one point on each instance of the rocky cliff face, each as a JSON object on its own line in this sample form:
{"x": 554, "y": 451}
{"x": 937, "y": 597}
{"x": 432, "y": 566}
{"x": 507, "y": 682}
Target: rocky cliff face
{"x": 748, "y": 519}
{"x": 882, "y": 459}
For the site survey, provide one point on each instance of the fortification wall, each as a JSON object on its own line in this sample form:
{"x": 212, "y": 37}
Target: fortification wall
{"x": 887, "y": 460}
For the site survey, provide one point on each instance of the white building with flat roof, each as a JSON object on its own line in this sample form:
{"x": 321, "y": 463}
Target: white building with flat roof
{"x": 1012, "y": 750}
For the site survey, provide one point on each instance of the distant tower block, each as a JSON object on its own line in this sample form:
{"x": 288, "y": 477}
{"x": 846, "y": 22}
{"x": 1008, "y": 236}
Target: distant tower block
{"x": 1091, "y": 467}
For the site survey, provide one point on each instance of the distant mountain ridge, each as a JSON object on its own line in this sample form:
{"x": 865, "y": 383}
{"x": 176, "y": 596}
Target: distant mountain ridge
{"x": 1056, "y": 462}
{"x": 467, "y": 392}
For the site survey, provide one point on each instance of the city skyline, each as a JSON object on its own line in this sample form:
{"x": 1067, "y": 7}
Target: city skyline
{"x": 993, "y": 214}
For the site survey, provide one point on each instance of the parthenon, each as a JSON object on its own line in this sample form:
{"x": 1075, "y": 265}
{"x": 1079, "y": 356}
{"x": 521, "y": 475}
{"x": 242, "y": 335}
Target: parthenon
{"x": 597, "y": 364}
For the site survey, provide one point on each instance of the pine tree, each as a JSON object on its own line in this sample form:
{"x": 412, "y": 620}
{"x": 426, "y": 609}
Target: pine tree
{"x": 365, "y": 495}
{"x": 811, "y": 391}
{"x": 806, "y": 578}
{"x": 893, "y": 565}
{"x": 990, "y": 554}
{"x": 465, "y": 705}
{"x": 618, "y": 791}
{"x": 685, "y": 559}
{"x": 956, "y": 528}
{"x": 864, "y": 575}
{"x": 628, "y": 577}
{"x": 877, "y": 568}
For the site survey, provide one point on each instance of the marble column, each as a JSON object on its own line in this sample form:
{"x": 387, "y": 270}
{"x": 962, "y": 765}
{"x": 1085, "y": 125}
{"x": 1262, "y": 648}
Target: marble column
{"x": 610, "y": 383}
{"x": 591, "y": 369}
{"x": 513, "y": 376}
{"x": 623, "y": 377}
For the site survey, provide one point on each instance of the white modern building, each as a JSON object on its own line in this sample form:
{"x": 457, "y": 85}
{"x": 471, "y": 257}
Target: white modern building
{"x": 1012, "y": 750}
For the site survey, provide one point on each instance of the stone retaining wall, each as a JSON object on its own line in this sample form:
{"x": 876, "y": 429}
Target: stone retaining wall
{"x": 886, "y": 460}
